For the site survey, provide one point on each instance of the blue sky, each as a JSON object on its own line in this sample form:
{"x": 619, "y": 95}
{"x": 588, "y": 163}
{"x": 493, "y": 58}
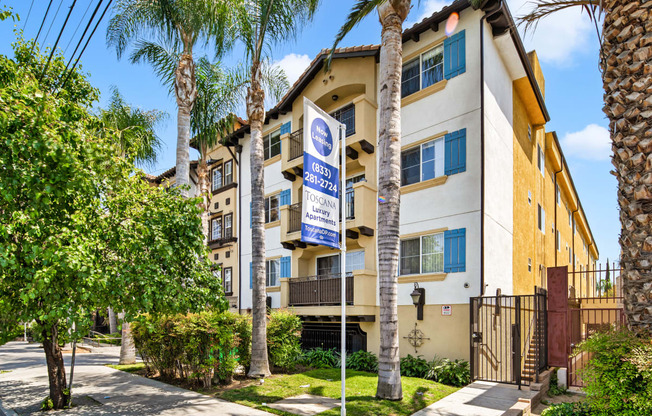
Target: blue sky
{"x": 567, "y": 46}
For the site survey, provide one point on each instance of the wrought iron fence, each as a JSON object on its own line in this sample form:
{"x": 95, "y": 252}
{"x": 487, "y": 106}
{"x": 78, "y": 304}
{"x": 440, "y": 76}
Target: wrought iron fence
{"x": 600, "y": 283}
{"x": 320, "y": 290}
{"x": 294, "y": 218}
{"x": 295, "y": 145}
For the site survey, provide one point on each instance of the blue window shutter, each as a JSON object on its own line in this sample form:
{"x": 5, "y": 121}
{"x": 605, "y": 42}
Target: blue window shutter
{"x": 455, "y": 158}
{"x": 251, "y": 275}
{"x": 285, "y": 197}
{"x": 251, "y": 215}
{"x": 454, "y": 55}
{"x": 286, "y": 128}
{"x": 286, "y": 266}
{"x": 455, "y": 250}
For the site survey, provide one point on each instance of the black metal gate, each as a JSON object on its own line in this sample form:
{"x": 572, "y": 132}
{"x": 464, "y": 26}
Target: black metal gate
{"x": 508, "y": 338}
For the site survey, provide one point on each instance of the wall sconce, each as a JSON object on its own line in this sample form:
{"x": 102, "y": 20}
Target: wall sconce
{"x": 335, "y": 97}
{"x": 418, "y": 296}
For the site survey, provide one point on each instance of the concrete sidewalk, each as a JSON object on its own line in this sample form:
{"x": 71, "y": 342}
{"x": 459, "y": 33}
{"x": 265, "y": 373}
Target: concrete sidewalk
{"x": 477, "y": 399}
{"x": 99, "y": 390}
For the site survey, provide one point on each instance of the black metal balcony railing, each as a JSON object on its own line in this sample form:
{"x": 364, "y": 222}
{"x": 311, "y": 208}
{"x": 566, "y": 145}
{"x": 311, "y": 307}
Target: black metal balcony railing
{"x": 227, "y": 237}
{"x": 320, "y": 290}
{"x": 296, "y": 145}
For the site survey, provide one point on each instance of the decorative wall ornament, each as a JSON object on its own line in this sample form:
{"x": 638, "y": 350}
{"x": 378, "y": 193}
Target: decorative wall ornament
{"x": 416, "y": 338}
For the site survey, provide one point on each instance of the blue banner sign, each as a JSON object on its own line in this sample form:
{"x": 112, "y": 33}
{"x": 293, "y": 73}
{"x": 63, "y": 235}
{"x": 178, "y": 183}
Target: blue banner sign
{"x": 321, "y": 177}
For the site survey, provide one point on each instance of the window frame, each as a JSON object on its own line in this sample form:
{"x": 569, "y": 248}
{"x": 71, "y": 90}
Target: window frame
{"x": 214, "y": 185}
{"x": 224, "y": 227}
{"x": 224, "y": 280}
{"x": 228, "y": 181}
{"x": 267, "y": 208}
{"x": 541, "y": 218}
{"x": 541, "y": 160}
{"x": 212, "y": 227}
{"x": 438, "y": 142}
{"x": 421, "y": 254}
{"x": 421, "y": 69}
{"x": 337, "y": 115}
{"x": 348, "y": 253}
{"x": 268, "y": 271}
{"x": 267, "y": 144}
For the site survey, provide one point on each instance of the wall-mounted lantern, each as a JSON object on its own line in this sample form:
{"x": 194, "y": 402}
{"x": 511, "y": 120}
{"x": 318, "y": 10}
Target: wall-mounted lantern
{"x": 418, "y": 296}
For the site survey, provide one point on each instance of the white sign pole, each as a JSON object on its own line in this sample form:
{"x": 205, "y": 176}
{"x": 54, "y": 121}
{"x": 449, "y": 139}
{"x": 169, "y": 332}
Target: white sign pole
{"x": 343, "y": 267}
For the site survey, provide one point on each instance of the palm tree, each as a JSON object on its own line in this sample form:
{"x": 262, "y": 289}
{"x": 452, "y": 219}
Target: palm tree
{"x": 392, "y": 14}
{"x": 625, "y": 55}
{"x": 261, "y": 24}
{"x": 135, "y": 129}
{"x": 179, "y": 25}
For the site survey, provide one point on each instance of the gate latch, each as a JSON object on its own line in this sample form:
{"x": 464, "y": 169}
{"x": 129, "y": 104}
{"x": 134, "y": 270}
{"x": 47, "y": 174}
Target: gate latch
{"x": 477, "y": 337}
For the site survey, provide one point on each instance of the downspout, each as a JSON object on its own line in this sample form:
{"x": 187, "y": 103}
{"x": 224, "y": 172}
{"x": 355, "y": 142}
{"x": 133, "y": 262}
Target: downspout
{"x": 557, "y": 247}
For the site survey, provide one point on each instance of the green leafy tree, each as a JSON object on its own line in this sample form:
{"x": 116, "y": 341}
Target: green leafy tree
{"x": 392, "y": 14}
{"x": 79, "y": 227}
{"x": 260, "y": 25}
{"x": 164, "y": 34}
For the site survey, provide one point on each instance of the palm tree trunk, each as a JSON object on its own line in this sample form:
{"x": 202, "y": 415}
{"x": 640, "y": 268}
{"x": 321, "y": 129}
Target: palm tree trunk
{"x": 391, "y": 14}
{"x": 627, "y": 79}
{"x": 128, "y": 348}
{"x": 113, "y": 321}
{"x": 186, "y": 91}
{"x": 56, "y": 368}
{"x": 202, "y": 179}
{"x": 256, "y": 113}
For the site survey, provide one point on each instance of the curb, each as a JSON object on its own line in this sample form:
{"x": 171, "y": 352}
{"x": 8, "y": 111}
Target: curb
{"x": 6, "y": 412}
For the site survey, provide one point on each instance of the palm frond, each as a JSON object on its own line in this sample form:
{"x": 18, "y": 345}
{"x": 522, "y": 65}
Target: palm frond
{"x": 163, "y": 60}
{"x": 274, "y": 80}
{"x": 359, "y": 11}
{"x": 544, "y": 8}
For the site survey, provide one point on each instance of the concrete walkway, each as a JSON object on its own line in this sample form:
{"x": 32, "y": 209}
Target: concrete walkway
{"x": 477, "y": 399}
{"x": 99, "y": 390}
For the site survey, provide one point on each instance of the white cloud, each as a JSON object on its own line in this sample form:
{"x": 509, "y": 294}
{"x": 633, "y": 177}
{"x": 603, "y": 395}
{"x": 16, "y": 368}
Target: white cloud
{"x": 591, "y": 143}
{"x": 294, "y": 65}
{"x": 558, "y": 37}
{"x": 428, "y": 7}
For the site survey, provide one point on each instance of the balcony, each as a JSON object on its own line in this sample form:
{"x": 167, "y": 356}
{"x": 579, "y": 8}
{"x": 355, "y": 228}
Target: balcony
{"x": 227, "y": 238}
{"x": 360, "y": 120}
{"x": 323, "y": 290}
{"x": 360, "y": 214}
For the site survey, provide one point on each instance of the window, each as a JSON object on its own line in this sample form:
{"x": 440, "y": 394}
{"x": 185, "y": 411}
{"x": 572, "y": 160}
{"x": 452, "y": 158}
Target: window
{"x": 350, "y": 195}
{"x": 217, "y": 271}
{"x": 272, "y": 144}
{"x": 216, "y": 182}
{"x": 423, "y": 254}
{"x": 272, "y": 209}
{"x": 541, "y": 218}
{"x": 228, "y": 226}
{"x": 346, "y": 116}
{"x": 557, "y": 241}
{"x": 529, "y": 132}
{"x": 423, "y": 71}
{"x": 541, "y": 161}
{"x": 227, "y": 281}
{"x": 329, "y": 266}
{"x": 422, "y": 162}
{"x": 216, "y": 228}
{"x": 558, "y": 195}
{"x": 529, "y": 197}
{"x": 570, "y": 222}
{"x": 228, "y": 173}
{"x": 272, "y": 272}
{"x": 529, "y": 265}
{"x": 569, "y": 253}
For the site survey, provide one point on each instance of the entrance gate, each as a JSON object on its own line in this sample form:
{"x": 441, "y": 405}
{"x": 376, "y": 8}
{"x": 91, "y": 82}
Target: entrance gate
{"x": 508, "y": 342}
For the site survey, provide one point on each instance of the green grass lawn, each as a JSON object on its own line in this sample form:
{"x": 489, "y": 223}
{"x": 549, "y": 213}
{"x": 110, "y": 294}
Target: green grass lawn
{"x": 360, "y": 392}
{"x": 129, "y": 368}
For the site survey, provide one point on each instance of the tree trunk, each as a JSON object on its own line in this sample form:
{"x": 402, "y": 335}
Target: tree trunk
{"x": 186, "y": 92}
{"x": 256, "y": 113}
{"x": 128, "y": 348}
{"x": 203, "y": 184}
{"x": 627, "y": 78}
{"x": 391, "y": 14}
{"x": 113, "y": 321}
{"x": 56, "y": 368}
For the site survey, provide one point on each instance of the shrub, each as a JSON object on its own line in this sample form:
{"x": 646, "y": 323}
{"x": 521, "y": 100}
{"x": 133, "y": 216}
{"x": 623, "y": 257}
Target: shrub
{"x": 362, "y": 361}
{"x": 454, "y": 373}
{"x": 555, "y": 389}
{"x": 284, "y": 339}
{"x": 200, "y": 347}
{"x": 11, "y": 334}
{"x": 414, "y": 366}
{"x": 568, "y": 409}
{"x": 618, "y": 377}
{"x": 321, "y": 358}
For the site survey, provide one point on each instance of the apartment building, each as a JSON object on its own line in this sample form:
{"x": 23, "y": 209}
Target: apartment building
{"x": 487, "y": 199}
